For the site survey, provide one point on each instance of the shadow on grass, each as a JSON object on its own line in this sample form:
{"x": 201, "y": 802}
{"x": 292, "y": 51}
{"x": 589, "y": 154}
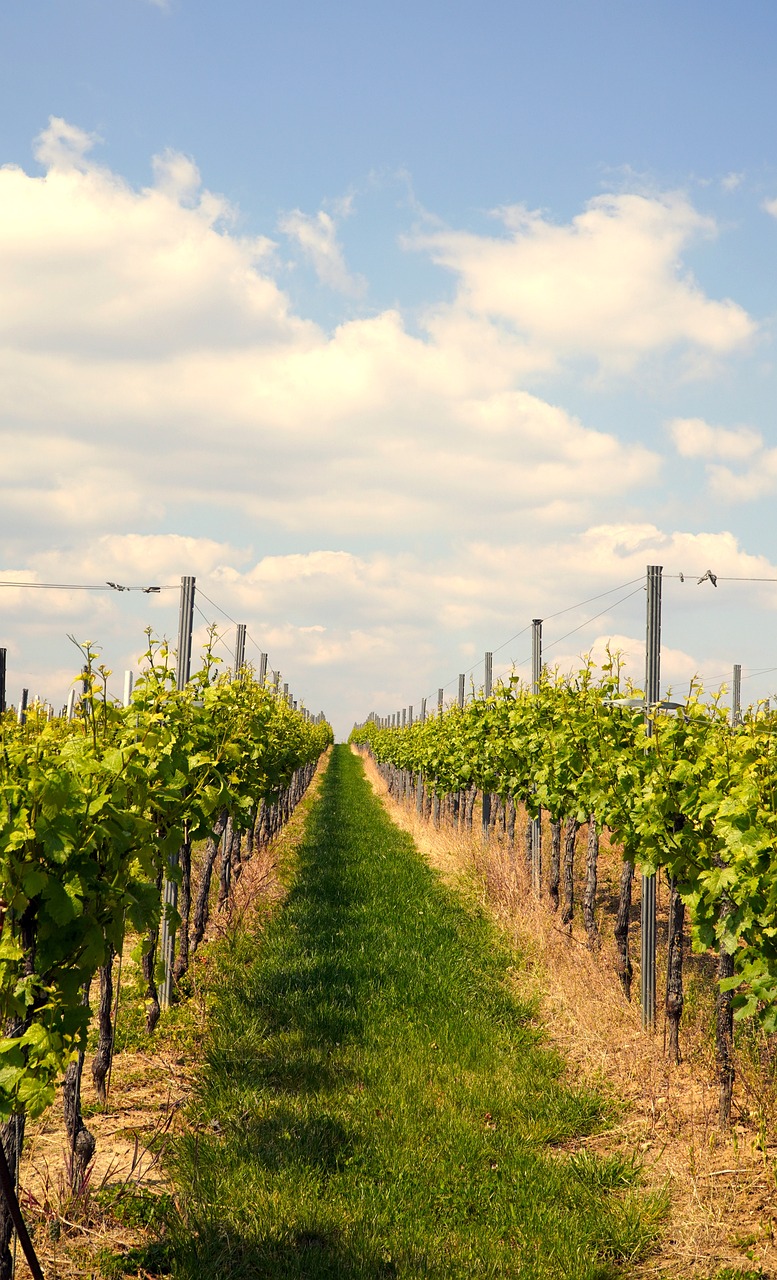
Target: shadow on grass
{"x": 313, "y": 1253}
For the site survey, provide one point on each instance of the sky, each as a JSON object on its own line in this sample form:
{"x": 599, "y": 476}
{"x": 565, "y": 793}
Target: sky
{"x": 397, "y": 326}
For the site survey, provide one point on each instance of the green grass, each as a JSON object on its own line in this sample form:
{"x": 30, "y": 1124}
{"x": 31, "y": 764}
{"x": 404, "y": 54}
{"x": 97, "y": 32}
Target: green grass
{"x": 373, "y": 1100}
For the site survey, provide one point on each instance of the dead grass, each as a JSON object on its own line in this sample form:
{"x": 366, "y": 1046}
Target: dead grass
{"x": 149, "y": 1090}
{"x": 722, "y": 1186}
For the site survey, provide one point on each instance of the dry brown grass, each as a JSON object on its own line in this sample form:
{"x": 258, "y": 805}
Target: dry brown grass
{"x": 722, "y": 1187}
{"x": 149, "y": 1090}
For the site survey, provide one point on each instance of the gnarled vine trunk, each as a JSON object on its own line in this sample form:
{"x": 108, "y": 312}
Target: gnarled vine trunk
{"x": 554, "y": 871}
{"x": 101, "y": 1062}
{"x": 674, "y": 970}
{"x": 623, "y": 966}
{"x": 591, "y": 875}
{"x": 568, "y": 887}
{"x": 81, "y": 1141}
{"x": 724, "y": 1030}
{"x": 148, "y": 965}
{"x": 12, "y": 1136}
{"x": 203, "y": 893}
{"x": 184, "y": 907}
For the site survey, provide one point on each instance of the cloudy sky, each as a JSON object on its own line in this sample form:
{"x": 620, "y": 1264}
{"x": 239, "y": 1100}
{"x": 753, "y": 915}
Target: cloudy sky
{"x": 397, "y": 325}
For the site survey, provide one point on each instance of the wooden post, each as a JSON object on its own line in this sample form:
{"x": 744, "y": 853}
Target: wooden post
{"x": 652, "y": 698}
{"x": 240, "y": 649}
{"x": 3, "y": 660}
{"x": 128, "y": 682}
{"x": 262, "y": 669}
{"x": 439, "y": 701}
{"x": 170, "y": 887}
{"x": 461, "y": 690}
{"x": 404, "y": 717}
{"x": 21, "y": 712}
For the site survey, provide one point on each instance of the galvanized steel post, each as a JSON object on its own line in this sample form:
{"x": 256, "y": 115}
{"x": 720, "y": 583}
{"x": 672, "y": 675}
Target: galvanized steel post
{"x": 652, "y": 698}
{"x": 536, "y": 826}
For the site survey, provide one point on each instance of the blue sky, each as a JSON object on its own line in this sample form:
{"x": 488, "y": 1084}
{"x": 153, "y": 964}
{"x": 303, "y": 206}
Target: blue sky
{"x": 395, "y": 324}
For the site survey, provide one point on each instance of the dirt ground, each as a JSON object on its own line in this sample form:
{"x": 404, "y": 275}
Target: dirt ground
{"x": 722, "y": 1185}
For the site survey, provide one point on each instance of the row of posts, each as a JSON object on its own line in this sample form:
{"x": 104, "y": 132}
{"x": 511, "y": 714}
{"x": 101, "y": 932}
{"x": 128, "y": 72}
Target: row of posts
{"x": 182, "y": 676}
{"x": 651, "y": 701}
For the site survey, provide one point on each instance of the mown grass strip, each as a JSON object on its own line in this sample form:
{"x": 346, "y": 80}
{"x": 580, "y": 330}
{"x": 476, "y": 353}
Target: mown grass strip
{"x": 373, "y": 1100}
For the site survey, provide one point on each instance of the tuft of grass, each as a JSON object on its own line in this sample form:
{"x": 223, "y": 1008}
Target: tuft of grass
{"x": 611, "y": 1173}
{"x": 134, "y": 1206}
{"x": 146, "y": 1260}
{"x": 375, "y": 1101}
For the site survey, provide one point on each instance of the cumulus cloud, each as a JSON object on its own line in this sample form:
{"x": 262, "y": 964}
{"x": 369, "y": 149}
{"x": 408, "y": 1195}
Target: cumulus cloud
{"x": 406, "y": 624}
{"x": 756, "y": 475}
{"x": 164, "y": 410}
{"x": 137, "y": 274}
{"x": 695, "y": 438}
{"x": 609, "y": 285}
{"x": 316, "y": 236}
{"x": 161, "y": 333}
{"x": 64, "y": 146}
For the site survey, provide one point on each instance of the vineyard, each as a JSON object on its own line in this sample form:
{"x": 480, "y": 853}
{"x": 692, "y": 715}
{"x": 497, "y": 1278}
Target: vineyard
{"x": 680, "y": 791}
{"x": 100, "y": 812}
{"x": 362, "y": 1053}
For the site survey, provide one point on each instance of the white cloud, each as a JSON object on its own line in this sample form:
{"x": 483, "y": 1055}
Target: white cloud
{"x": 757, "y": 481}
{"x": 732, "y": 181}
{"x": 316, "y": 235}
{"x": 176, "y": 176}
{"x": 771, "y": 207}
{"x": 337, "y": 622}
{"x": 136, "y": 274}
{"x": 165, "y": 411}
{"x": 64, "y": 146}
{"x": 161, "y": 335}
{"x": 609, "y": 285}
{"x": 718, "y": 446}
{"x": 695, "y": 438}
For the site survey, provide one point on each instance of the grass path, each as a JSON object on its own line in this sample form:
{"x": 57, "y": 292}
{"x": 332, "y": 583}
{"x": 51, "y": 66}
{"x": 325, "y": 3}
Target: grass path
{"x": 373, "y": 1101}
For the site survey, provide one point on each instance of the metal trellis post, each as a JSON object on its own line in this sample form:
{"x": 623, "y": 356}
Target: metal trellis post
{"x": 536, "y": 826}
{"x": 240, "y": 649}
{"x": 487, "y": 685}
{"x": 652, "y": 697}
{"x": 170, "y": 886}
{"x": 736, "y": 696}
